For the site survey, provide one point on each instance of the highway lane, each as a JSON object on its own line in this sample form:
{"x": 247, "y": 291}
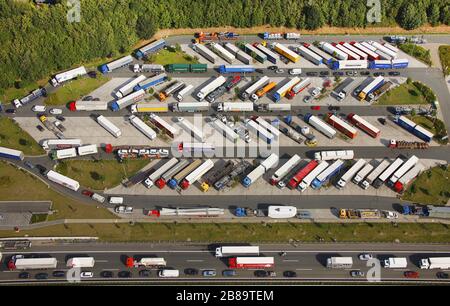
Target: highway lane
{"x": 308, "y": 260}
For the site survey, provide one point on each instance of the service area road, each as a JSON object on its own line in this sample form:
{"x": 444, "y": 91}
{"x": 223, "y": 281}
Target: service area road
{"x": 307, "y": 260}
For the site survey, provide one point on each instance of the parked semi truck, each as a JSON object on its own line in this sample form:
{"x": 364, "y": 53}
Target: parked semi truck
{"x": 301, "y": 174}
{"x": 148, "y": 262}
{"x": 37, "y": 93}
{"x": 255, "y": 53}
{"x": 60, "y": 78}
{"x": 331, "y": 155}
{"x": 267, "y": 164}
{"x": 23, "y": 262}
{"x": 405, "y": 167}
{"x": 162, "y": 181}
{"x": 286, "y": 52}
{"x": 210, "y": 87}
{"x": 150, "y": 48}
{"x": 222, "y": 52}
{"x": 361, "y": 175}
{"x": 309, "y": 55}
{"x": 205, "y": 52}
{"x": 163, "y": 125}
{"x": 442, "y": 263}
{"x": 235, "y": 107}
{"x": 149, "y": 108}
{"x": 374, "y": 85}
{"x": 62, "y": 180}
{"x": 177, "y": 179}
{"x": 129, "y": 86}
{"x": 274, "y": 107}
{"x": 88, "y": 106}
{"x": 191, "y": 107}
{"x": 271, "y": 56}
{"x": 414, "y": 128}
{"x": 118, "y": 63}
{"x": 321, "y": 126}
{"x": 254, "y": 87}
{"x": 387, "y": 173}
{"x": 347, "y": 177}
{"x": 183, "y": 92}
{"x": 341, "y": 125}
{"x": 216, "y": 174}
{"x": 409, "y": 176}
{"x": 128, "y": 100}
{"x": 261, "y": 92}
{"x": 327, "y": 174}
{"x": 341, "y": 91}
{"x": 306, "y": 182}
{"x": 152, "y": 178}
{"x": 142, "y": 127}
{"x": 226, "y": 181}
{"x": 374, "y": 174}
{"x": 364, "y": 125}
{"x": 283, "y": 90}
{"x": 151, "y": 82}
{"x": 109, "y": 126}
{"x": 195, "y": 175}
{"x": 163, "y": 95}
{"x": 148, "y": 68}
{"x": 298, "y": 88}
{"x": 285, "y": 169}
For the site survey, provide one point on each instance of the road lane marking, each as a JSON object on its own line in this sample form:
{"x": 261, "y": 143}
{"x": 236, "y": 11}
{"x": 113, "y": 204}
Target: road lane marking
{"x": 292, "y": 260}
{"x": 194, "y": 260}
{"x": 304, "y": 269}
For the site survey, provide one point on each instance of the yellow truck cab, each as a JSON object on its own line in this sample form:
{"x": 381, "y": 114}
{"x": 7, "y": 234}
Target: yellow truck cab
{"x": 205, "y": 187}
{"x": 43, "y": 118}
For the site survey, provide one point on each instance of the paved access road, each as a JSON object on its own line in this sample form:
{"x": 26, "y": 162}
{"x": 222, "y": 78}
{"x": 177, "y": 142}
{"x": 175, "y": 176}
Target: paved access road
{"x": 307, "y": 260}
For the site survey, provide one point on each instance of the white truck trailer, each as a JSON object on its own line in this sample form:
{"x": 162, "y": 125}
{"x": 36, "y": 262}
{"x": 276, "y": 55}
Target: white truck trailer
{"x": 362, "y": 174}
{"x": 129, "y": 86}
{"x": 339, "y": 262}
{"x": 281, "y": 212}
{"x": 227, "y": 251}
{"x": 20, "y": 262}
{"x": 197, "y": 174}
{"x": 68, "y": 75}
{"x": 205, "y": 52}
{"x": 320, "y": 125}
{"x": 208, "y": 88}
{"x": 442, "y": 263}
{"x": 285, "y": 169}
{"x": 191, "y": 129}
{"x": 143, "y": 127}
{"x": 347, "y": 177}
{"x": 387, "y": 173}
{"x": 411, "y": 162}
{"x": 109, "y": 126}
{"x": 180, "y": 95}
{"x": 374, "y": 174}
{"x": 235, "y": 107}
{"x": 80, "y": 262}
{"x": 396, "y": 263}
{"x": 330, "y": 155}
{"x": 306, "y": 182}
{"x": 63, "y": 180}
{"x": 267, "y": 164}
{"x": 254, "y": 87}
{"x": 222, "y": 52}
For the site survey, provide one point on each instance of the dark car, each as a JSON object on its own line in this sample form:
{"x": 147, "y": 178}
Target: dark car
{"x": 338, "y": 73}
{"x": 88, "y": 98}
{"x": 284, "y": 59}
{"x": 259, "y": 70}
{"x": 364, "y": 73}
{"x": 106, "y": 274}
{"x": 87, "y": 193}
{"x": 442, "y": 275}
{"x": 334, "y": 108}
{"x": 41, "y": 276}
{"x": 96, "y": 99}
{"x": 92, "y": 74}
{"x": 394, "y": 73}
{"x": 29, "y": 165}
{"x": 289, "y": 274}
{"x": 191, "y": 271}
{"x": 124, "y": 274}
{"x": 324, "y": 73}
{"x": 61, "y": 118}
{"x": 382, "y": 121}
{"x": 24, "y": 275}
{"x": 261, "y": 273}
{"x": 59, "y": 273}
{"x": 10, "y": 111}
{"x": 229, "y": 273}
{"x": 272, "y": 67}
{"x": 40, "y": 128}
{"x": 377, "y": 74}
{"x": 144, "y": 273}
{"x": 312, "y": 73}
{"x": 41, "y": 169}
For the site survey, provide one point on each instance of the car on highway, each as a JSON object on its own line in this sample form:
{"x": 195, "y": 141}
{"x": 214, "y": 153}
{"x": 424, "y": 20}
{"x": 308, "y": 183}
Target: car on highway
{"x": 295, "y": 71}
{"x": 351, "y": 73}
{"x": 324, "y": 73}
{"x": 272, "y": 68}
{"x": 307, "y": 99}
{"x": 59, "y": 273}
{"x": 304, "y": 214}
{"x": 123, "y": 209}
{"x": 10, "y": 111}
{"x": 377, "y": 74}
{"x": 144, "y": 273}
{"x": 338, "y": 73}
{"x": 411, "y": 274}
{"x": 229, "y": 273}
{"x": 87, "y": 274}
{"x": 394, "y": 73}
{"x": 42, "y": 169}
{"x": 263, "y": 273}
{"x": 316, "y": 107}
{"x": 279, "y": 71}
{"x": 41, "y": 276}
{"x": 356, "y": 273}
{"x": 87, "y": 193}
{"x": 209, "y": 273}
{"x": 40, "y": 128}
{"x": 364, "y": 73}
{"x": 124, "y": 274}
{"x": 442, "y": 275}
{"x": 24, "y": 275}
{"x": 29, "y": 164}
{"x": 290, "y": 274}
{"x": 56, "y": 111}
{"x": 312, "y": 73}
{"x": 190, "y": 271}
{"x": 106, "y": 274}
{"x": 365, "y": 256}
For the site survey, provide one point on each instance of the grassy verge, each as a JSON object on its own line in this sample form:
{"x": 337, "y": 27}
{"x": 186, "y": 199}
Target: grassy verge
{"x": 251, "y": 233}
{"x": 13, "y": 180}
{"x": 12, "y": 136}
{"x": 444, "y": 55}
{"x": 74, "y": 90}
{"x": 8, "y": 95}
{"x": 431, "y": 187}
{"x": 404, "y": 94}
{"x": 172, "y": 56}
{"x": 418, "y": 52}
{"x": 100, "y": 174}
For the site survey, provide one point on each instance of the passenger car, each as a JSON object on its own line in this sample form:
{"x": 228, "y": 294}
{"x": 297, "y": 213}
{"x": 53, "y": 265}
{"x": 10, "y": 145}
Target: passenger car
{"x": 106, "y": 274}
{"x": 124, "y": 274}
{"x": 191, "y": 271}
{"x": 289, "y": 274}
{"x": 209, "y": 273}
{"x": 41, "y": 276}
{"x": 59, "y": 273}
{"x": 365, "y": 256}
{"x": 411, "y": 274}
{"x": 87, "y": 193}
{"x": 40, "y": 128}
{"x": 356, "y": 273}
{"x": 229, "y": 273}
{"x": 122, "y": 209}
{"x": 87, "y": 274}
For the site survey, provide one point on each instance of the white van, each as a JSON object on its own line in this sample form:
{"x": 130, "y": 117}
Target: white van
{"x": 295, "y": 71}
{"x": 39, "y": 108}
{"x": 56, "y": 111}
{"x": 115, "y": 200}
{"x": 169, "y": 273}
{"x": 98, "y": 198}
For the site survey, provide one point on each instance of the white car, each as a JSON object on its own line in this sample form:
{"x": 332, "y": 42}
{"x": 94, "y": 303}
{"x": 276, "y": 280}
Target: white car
{"x": 295, "y": 71}
{"x": 365, "y": 256}
{"x": 148, "y": 183}
{"x": 56, "y": 111}
{"x": 281, "y": 184}
{"x": 87, "y": 274}
{"x": 316, "y": 91}
{"x": 17, "y": 103}
{"x": 390, "y": 214}
{"x": 122, "y": 209}
{"x": 39, "y": 108}
{"x": 163, "y": 152}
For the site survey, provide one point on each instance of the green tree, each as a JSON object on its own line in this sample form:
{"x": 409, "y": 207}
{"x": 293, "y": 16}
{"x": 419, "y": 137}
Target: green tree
{"x": 434, "y": 14}
{"x": 313, "y": 18}
{"x": 410, "y": 16}
{"x": 146, "y": 26}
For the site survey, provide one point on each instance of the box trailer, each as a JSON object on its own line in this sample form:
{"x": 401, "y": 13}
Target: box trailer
{"x": 341, "y": 125}
{"x": 195, "y": 175}
{"x": 236, "y": 69}
{"x": 351, "y": 55}
{"x": 254, "y": 87}
{"x": 372, "y": 55}
{"x": 151, "y": 82}
{"x": 331, "y": 155}
{"x": 285, "y": 169}
{"x": 265, "y": 166}
{"x": 149, "y": 108}
{"x": 400, "y": 63}
{"x": 364, "y": 125}
{"x": 80, "y": 262}
{"x": 222, "y": 52}
{"x": 259, "y": 131}
{"x": 180, "y": 95}
{"x": 340, "y": 92}
{"x": 86, "y": 150}
{"x": 163, "y": 95}
{"x": 191, "y": 107}
{"x": 88, "y": 106}
{"x": 208, "y": 88}
{"x": 299, "y": 87}
{"x": 396, "y": 263}
{"x": 274, "y": 107}
{"x": 118, "y": 63}
{"x": 271, "y": 56}
{"x": 283, "y": 90}
{"x": 270, "y": 127}
{"x": 348, "y": 176}
{"x": 327, "y": 174}
{"x": 142, "y": 127}
{"x": 374, "y": 85}
{"x": 387, "y": 173}
{"x": 63, "y": 180}
{"x": 383, "y": 49}
{"x": 163, "y": 125}
{"x": 11, "y": 153}
{"x": 20, "y": 262}
{"x": 226, "y": 251}
{"x": 62, "y": 77}
{"x": 205, "y": 52}
{"x": 309, "y": 55}
{"x": 414, "y": 128}
{"x": 327, "y": 59}
{"x": 152, "y": 178}
{"x": 235, "y": 107}
{"x": 255, "y": 53}
{"x": 251, "y": 262}
{"x": 362, "y": 55}
{"x": 282, "y": 212}
{"x": 408, "y": 177}
{"x": 233, "y": 49}
{"x": 442, "y": 263}
{"x": 340, "y": 262}
{"x": 407, "y": 165}
{"x": 320, "y": 125}
{"x": 330, "y": 49}
{"x": 380, "y": 64}
{"x": 286, "y": 52}
{"x": 151, "y": 48}
{"x": 37, "y": 93}
{"x": 128, "y": 100}
{"x": 374, "y": 174}
{"x": 109, "y": 126}
{"x": 353, "y": 64}
{"x": 193, "y": 131}
{"x": 174, "y": 181}
{"x": 361, "y": 175}
{"x": 308, "y": 179}
{"x": 301, "y": 174}
{"x": 261, "y": 92}
{"x": 64, "y": 153}
{"x": 225, "y": 130}
{"x": 129, "y": 86}
{"x": 51, "y": 144}
{"x": 153, "y": 68}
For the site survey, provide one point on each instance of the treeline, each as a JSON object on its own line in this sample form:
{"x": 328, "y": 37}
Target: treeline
{"x": 38, "y": 40}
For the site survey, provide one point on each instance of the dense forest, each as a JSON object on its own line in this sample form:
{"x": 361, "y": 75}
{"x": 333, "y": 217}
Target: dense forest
{"x": 38, "y": 40}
